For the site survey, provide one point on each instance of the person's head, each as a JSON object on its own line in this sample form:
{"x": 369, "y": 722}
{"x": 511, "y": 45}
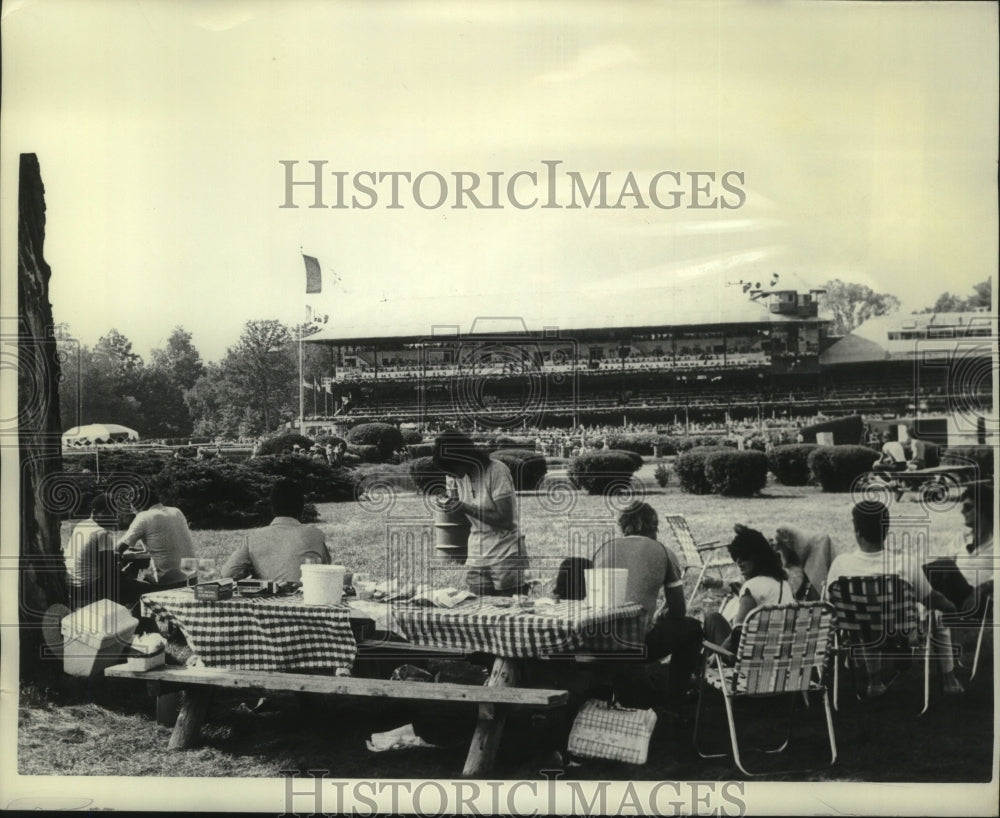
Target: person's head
{"x": 977, "y": 508}
{"x": 871, "y": 524}
{"x": 639, "y": 520}
{"x": 456, "y": 454}
{"x": 287, "y": 499}
{"x": 100, "y": 509}
{"x": 754, "y": 555}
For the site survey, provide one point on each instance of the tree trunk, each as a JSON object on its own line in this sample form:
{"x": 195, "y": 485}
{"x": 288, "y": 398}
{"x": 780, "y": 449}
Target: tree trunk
{"x": 41, "y": 569}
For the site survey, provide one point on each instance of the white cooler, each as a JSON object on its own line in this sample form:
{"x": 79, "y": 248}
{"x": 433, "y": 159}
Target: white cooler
{"x": 95, "y": 637}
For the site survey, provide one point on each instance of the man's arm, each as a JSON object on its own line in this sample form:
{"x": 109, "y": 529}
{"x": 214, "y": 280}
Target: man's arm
{"x": 675, "y": 606}
{"x": 501, "y": 517}
{"x": 239, "y": 565}
{"x": 135, "y": 532}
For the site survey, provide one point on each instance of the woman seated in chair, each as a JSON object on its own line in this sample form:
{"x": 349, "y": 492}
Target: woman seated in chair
{"x": 764, "y": 583}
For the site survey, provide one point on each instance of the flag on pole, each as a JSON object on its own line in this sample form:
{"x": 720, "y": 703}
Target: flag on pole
{"x": 314, "y": 277}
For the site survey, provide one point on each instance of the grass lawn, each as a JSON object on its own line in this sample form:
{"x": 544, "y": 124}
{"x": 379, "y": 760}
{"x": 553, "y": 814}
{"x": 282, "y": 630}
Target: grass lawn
{"x": 67, "y": 728}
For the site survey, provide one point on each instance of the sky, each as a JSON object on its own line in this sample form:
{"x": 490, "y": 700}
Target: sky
{"x": 864, "y": 137}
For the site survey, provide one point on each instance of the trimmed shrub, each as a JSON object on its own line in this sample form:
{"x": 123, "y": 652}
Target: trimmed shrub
{"x": 528, "y": 468}
{"x": 411, "y": 436}
{"x": 705, "y": 441}
{"x": 220, "y": 494}
{"x": 427, "y": 477}
{"x": 790, "y": 464}
{"x": 736, "y": 474}
{"x": 837, "y": 467}
{"x": 690, "y": 469}
{"x": 661, "y": 475}
{"x": 329, "y": 440}
{"x": 385, "y": 437}
{"x": 642, "y": 443}
{"x": 385, "y": 474}
{"x": 321, "y": 482}
{"x": 367, "y": 454}
{"x": 420, "y": 449}
{"x": 116, "y": 460}
{"x": 283, "y": 444}
{"x": 508, "y": 442}
{"x": 982, "y": 456}
{"x": 597, "y": 472}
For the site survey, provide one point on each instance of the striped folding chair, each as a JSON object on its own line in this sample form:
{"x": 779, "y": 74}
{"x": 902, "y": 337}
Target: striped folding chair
{"x": 878, "y": 617}
{"x": 695, "y": 555}
{"x": 782, "y": 652}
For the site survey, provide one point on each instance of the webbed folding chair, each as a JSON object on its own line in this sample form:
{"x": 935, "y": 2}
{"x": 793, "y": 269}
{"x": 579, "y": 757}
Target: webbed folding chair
{"x": 695, "y": 555}
{"x": 783, "y": 651}
{"x": 876, "y": 617}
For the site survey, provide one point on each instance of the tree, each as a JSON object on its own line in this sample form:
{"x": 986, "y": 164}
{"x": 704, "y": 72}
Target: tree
{"x": 261, "y": 372}
{"x": 853, "y": 304}
{"x": 982, "y": 296}
{"x": 179, "y": 359}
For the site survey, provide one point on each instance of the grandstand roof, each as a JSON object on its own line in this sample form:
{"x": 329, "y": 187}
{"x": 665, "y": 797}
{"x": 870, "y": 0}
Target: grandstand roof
{"x": 871, "y": 341}
{"x": 665, "y": 306}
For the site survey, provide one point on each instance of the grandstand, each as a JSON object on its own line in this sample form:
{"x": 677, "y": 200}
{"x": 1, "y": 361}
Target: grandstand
{"x": 670, "y": 359}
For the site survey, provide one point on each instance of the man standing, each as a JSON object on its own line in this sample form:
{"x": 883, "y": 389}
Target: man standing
{"x": 278, "y": 551}
{"x": 165, "y": 533}
{"x": 651, "y": 567}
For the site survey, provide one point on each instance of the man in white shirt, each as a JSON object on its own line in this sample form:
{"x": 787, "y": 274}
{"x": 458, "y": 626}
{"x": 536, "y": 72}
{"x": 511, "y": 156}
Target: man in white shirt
{"x": 871, "y": 525}
{"x": 165, "y": 533}
{"x": 91, "y": 561}
{"x": 278, "y": 551}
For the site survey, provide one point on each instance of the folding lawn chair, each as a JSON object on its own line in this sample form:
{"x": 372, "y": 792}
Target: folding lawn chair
{"x": 878, "y": 616}
{"x": 695, "y": 555}
{"x": 782, "y": 652}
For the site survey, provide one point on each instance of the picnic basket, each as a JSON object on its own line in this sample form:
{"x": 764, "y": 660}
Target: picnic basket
{"x": 610, "y": 731}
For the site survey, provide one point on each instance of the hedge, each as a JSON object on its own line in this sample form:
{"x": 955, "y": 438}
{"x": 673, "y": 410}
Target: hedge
{"x": 367, "y": 453}
{"x": 420, "y": 449}
{"x": 284, "y": 443}
{"x": 507, "y": 442}
{"x": 687, "y": 444}
{"x": 597, "y": 472}
{"x": 321, "y": 482}
{"x": 427, "y": 477}
{"x": 528, "y": 468}
{"x": 790, "y": 464}
{"x": 736, "y": 474}
{"x": 411, "y": 436}
{"x": 386, "y": 437}
{"x": 219, "y": 494}
{"x": 982, "y": 456}
{"x": 837, "y": 467}
{"x": 690, "y": 469}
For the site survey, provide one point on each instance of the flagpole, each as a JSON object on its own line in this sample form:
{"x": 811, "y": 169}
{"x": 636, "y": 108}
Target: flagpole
{"x": 302, "y": 394}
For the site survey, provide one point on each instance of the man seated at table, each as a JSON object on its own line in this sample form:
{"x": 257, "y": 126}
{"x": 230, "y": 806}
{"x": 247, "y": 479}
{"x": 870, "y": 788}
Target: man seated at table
{"x": 91, "y": 561}
{"x": 652, "y": 566}
{"x": 164, "y": 532}
{"x": 278, "y": 551}
{"x": 871, "y": 525}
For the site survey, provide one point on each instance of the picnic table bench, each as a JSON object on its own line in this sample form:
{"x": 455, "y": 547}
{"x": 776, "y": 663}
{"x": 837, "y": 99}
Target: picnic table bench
{"x": 253, "y": 644}
{"x": 495, "y": 698}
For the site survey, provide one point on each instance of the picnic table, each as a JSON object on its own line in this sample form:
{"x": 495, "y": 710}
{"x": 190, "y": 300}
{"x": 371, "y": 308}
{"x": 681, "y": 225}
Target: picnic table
{"x": 281, "y": 644}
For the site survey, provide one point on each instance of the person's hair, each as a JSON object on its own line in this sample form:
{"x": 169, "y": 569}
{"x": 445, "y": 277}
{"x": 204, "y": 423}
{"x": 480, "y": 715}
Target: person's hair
{"x": 453, "y": 449}
{"x": 639, "y": 519}
{"x": 100, "y": 506}
{"x": 750, "y": 544}
{"x": 981, "y": 495}
{"x": 871, "y": 521}
{"x": 287, "y": 499}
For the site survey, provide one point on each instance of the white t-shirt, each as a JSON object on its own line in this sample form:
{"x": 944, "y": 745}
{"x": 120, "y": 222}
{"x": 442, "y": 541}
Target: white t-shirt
{"x": 876, "y": 563}
{"x": 88, "y": 540}
{"x": 164, "y": 531}
{"x": 764, "y": 591}
{"x": 489, "y": 547}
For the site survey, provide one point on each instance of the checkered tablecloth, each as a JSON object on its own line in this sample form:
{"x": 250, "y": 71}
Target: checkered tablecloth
{"x": 276, "y": 633}
{"x": 567, "y": 627}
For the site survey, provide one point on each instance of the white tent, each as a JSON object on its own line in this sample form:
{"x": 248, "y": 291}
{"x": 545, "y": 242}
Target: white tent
{"x": 98, "y": 433}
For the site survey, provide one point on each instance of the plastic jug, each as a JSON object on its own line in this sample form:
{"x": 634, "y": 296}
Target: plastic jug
{"x": 323, "y": 584}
